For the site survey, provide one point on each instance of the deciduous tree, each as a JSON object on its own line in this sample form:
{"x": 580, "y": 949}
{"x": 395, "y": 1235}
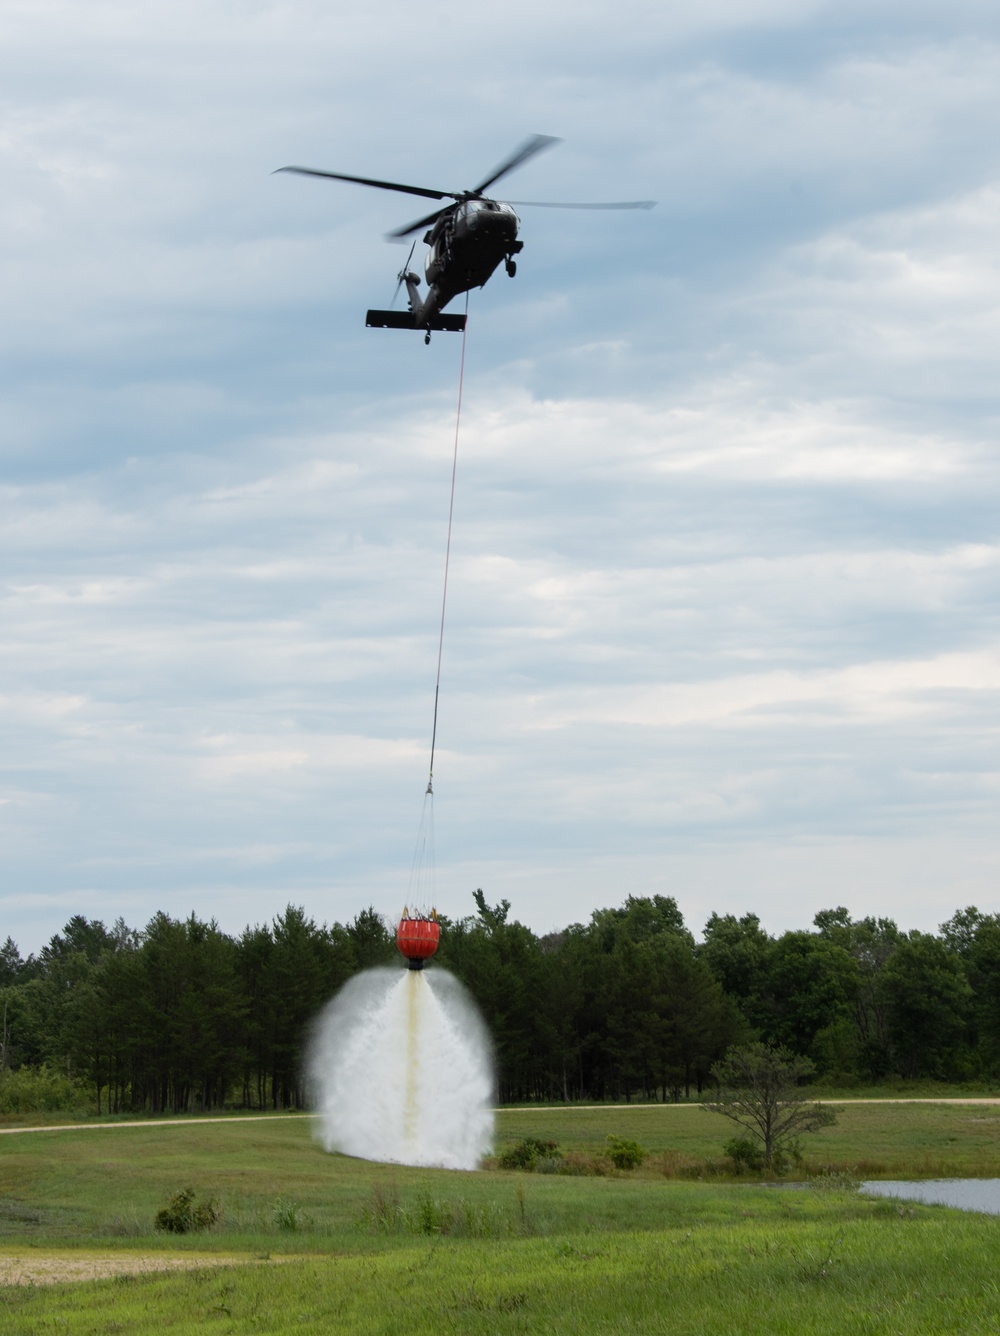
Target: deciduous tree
{"x": 759, "y": 1091}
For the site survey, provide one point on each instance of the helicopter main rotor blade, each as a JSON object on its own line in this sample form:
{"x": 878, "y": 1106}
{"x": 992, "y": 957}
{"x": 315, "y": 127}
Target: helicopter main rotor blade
{"x": 403, "y": 232}
{"x": 527, "y": 150}
{"x": 367, "y": 181}
{"x": 620, "y": 204}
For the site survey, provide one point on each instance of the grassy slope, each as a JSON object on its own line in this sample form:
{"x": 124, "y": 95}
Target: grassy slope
{"x": 83, "y": 1184}
{"x": 885, "y": 1140}
{"x": 780, "y": 1262}
{"x": 570, "y": 1254}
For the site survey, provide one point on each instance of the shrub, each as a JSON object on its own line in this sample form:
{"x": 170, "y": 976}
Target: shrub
{"x": 624, "y": 1153}
{"x": 41, "y": 1090}
{"x": 747, "y": 1156}
{"x": 182, "y": 1216}
{"x": 285, "y": 1215}
{"x": 526, "y": 1154}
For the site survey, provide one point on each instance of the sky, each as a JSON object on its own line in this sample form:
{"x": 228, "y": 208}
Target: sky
{"x": 723, "y": 596}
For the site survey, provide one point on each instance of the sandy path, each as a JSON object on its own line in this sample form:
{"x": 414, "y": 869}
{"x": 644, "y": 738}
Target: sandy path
{"x": 846, "y": 1099}
{"x": 56, "y": 1268}
{"x": 248, "y": 1120}
{"x": 194, "y": 1121}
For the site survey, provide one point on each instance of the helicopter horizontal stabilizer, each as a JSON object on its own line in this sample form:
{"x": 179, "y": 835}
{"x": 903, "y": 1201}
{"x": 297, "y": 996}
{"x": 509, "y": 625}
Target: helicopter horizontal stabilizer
{"x": 405, "y": 320}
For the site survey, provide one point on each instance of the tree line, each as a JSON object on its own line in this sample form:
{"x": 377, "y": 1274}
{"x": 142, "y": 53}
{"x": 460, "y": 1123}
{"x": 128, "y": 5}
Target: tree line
{"x": 182, "y": 1016}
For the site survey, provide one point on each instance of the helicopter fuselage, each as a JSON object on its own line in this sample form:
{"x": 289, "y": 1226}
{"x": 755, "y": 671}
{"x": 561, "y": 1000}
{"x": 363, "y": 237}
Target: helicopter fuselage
{"x": 467, "y": 240}
{"x": 467, "y": 244}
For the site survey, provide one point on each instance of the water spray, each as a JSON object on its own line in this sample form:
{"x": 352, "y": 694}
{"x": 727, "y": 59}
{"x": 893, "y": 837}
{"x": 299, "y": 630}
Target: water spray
{"x": 401, "y": 1070}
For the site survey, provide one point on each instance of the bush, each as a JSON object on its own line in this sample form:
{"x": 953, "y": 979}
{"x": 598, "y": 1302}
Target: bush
{"x": 533, "y": 1156}
{"x": 41, "y": 1090}
{"x": 526, "y": 1155}
{"x": 625, "y": 1154}
{"x": 287, "y": 1216}
{"x": 747, "y": 1156}
{"x": 182, "y": 1216}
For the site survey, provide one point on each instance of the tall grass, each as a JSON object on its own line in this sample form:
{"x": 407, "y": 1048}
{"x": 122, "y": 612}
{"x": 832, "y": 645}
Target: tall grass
{"x": 498, "y": 1218}
{"x": 775, "y": 1262}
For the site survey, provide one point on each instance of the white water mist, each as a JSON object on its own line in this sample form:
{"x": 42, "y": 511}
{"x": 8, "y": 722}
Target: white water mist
{"x": 401, "y": 1069}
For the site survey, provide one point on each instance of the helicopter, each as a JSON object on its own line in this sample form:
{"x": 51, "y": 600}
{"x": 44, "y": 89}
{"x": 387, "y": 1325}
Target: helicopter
{"x": 468, "y": 239}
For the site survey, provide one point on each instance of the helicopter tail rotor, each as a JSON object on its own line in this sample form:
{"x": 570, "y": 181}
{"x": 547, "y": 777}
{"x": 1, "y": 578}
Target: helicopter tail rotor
{"x": 402, "y": 276}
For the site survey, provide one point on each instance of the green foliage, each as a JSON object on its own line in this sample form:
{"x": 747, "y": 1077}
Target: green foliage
{"x": 533, "y": 1155}
{"x": 182, "y": 1216}
{"x": 812, "y": 986}
{"x": 746, "y": 1154}
{"x": 493, "y": 917}
{"x": 181, "y": 1017}
{"x": 287, "y": 1216}
{"x": 837, "y": 1180}
{"x": 759, "y": 1090}
{"x": 527, "y": 1154}
{"x": 928, "y": 999}
{"x": 430, "y": 1215}
{"x": 737, "y": 952}
{"x": 624, "y": 1153}
{"x": 41, "y": 1090}
{"x": 372, "y": 941}
{"x": 383, "y": 1213}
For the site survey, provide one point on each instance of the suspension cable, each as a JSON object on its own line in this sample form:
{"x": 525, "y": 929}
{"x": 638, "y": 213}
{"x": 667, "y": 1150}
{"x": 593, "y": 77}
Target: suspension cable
{"x": 447, "y": 551}
{"x": 421, "y": 890}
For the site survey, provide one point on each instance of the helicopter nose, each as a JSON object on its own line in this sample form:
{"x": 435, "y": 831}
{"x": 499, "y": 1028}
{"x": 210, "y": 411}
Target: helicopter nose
{"x": 499, "y": 225}
{"x": 491, "y": 218}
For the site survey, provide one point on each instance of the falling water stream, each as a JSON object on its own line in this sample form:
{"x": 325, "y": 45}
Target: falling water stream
{"x": 401, "y": 1069}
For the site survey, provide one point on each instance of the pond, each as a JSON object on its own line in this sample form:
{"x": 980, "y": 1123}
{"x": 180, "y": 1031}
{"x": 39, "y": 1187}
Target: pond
{"x": 968, "y": 1194}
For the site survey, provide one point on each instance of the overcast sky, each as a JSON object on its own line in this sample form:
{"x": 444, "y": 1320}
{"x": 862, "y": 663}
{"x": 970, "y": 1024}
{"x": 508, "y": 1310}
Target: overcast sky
{"x": 723, "y": 617}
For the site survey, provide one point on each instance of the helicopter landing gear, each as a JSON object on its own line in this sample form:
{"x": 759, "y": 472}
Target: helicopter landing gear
{"x": 511, "y": 267}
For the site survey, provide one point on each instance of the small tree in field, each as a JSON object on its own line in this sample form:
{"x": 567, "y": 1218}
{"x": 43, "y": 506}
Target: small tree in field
{"x": 759, "y": 1091}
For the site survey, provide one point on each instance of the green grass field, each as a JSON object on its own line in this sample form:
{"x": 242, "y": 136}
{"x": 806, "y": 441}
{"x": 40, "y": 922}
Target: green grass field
{"x": 385, "y": 1249}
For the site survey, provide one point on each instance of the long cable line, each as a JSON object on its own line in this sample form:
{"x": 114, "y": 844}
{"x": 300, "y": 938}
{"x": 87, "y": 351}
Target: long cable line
{"x": 447, "y": 551}
{"x": 422, "y": 871}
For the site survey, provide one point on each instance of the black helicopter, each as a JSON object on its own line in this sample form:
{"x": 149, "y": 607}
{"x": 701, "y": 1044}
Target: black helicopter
{"x": 467, "y": 240}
